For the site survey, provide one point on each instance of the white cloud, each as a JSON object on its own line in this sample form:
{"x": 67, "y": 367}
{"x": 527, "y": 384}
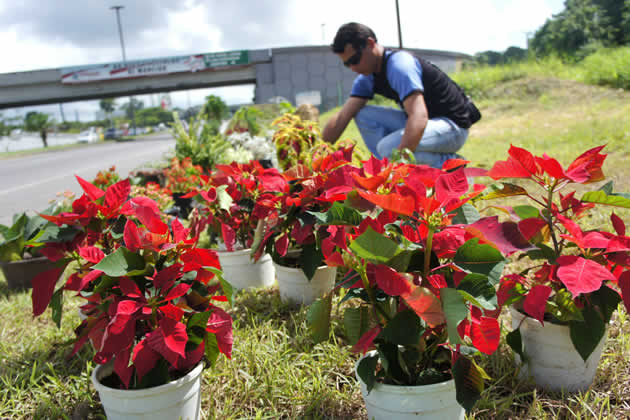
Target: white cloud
{"x": 32, "y": 39}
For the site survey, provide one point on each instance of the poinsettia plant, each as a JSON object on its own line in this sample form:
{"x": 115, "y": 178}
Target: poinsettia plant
{"x": 574, "y": 276}
{"x": 182, "y": 175}
{"x": 422, "y": 267}
{"x": 150, "y": 293}
{"x": 290, "y": 232}
{"x": 235, "y": 198}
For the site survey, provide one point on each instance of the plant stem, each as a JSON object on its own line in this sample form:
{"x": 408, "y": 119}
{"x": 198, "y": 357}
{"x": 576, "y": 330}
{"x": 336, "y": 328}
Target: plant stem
{"x": 427, "y": 253}
{"x": 366, "y": 285}
{"x": 550, "y": 219}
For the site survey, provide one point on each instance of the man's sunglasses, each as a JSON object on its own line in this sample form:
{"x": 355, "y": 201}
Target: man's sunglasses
{"x": 354, "y": 60}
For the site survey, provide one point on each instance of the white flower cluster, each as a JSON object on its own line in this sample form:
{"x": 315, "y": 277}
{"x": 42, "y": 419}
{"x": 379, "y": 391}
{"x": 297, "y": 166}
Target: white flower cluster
{"x": 260, "y": 147}
{"x": 237, "y": 154}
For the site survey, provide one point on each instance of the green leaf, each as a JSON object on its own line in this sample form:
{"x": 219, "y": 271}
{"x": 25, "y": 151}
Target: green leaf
{"x": 366, "y": 370}
{"x": 404, "y": 329}
{"x": 479, "y": 288}
{"x": 310, "y": 259}
{"x": 607, "y": 300}
{"x": 34, "y": 225}
{"x": 600, "y": 197}
{"x": 526, "y": 212}
{"x": 121, "y": 262}
{"x": 4, "y": 231}
{"x": 544, "y": 252}
{"x": 400, "y": 262}
{"x": 223, "y": 198}
{"x": 503, "y": 190}
{"x": 339, "y": 214}
{"x": 514, "y": 340}
{"x": 226, "y": 286}
{"x": 156, "y": 376}
{"x": 56, "y": 303}
{"x": 374, "y": 247}
{"x": 468, "y": 382}
{"x": 196, "y": 329}
{"x": 17, "y": 229}
{"x": 586, "y": 334}
{"x": 455, "y": 310}
{"x": 466, "y": 215}
{"x": 389, "y": 356}
{"x": 318, "y": 318}
{"x": 54, "y": 233}
{"x": 356, "y": 322}
{"x": 563, "y": 308}
{"x": 608, "y": 189}
{"x": 104, "y": 284}
{"x": 480, "y": 258}
{"x": 212, "y": 349}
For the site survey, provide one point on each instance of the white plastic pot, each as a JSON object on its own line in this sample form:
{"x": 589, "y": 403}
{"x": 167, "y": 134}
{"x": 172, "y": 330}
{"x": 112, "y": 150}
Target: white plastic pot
{"x": 553, "y": 363}
{"x": 243, "y": 273}
{"x": 426, "y": 402}
{"x": 179, "y": 399}
{"x": 295, "y": 287}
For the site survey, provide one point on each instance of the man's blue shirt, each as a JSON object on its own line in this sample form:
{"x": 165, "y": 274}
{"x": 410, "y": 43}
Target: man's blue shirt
{"x": 404, "y": 74}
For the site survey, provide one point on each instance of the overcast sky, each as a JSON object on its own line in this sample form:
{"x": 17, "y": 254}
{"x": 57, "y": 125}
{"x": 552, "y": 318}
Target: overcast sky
{"x": 39, "y": 34}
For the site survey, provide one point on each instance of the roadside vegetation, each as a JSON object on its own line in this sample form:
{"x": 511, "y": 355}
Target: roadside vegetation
{"x": 277, "y": 371}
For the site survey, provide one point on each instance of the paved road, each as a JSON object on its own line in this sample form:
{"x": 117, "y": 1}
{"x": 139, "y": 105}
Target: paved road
{"x": 29, "y": 183}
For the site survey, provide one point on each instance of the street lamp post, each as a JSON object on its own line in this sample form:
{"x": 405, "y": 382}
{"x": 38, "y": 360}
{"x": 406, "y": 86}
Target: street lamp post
{"x": 122, "y": 46}
{"x": 399, "y": 30}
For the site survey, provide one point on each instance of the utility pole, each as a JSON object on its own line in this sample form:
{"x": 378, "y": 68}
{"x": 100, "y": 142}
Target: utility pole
{"x": 63, "y": 117}
{"x": 122, "y": 46}
{"x": 400, "y": 45}
{"x": 323, "y": 34}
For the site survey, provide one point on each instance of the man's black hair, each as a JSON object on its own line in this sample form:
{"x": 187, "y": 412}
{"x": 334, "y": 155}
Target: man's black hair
{"x": 355, "y": 34}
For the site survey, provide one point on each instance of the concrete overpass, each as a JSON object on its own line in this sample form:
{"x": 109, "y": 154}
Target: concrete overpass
{"x": 294, "y": 73}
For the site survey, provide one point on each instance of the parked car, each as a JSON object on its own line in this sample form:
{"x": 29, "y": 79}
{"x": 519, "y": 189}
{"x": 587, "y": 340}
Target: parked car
{"x": 88, "y": 136}
{"x": 113, "y": 133}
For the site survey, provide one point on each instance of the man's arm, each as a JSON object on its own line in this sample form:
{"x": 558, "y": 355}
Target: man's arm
{"x": 338, "y": 122}
{"x": 417, "y": 120}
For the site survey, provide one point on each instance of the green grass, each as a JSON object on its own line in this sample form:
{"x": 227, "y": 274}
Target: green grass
{"x": 277, "y": 371}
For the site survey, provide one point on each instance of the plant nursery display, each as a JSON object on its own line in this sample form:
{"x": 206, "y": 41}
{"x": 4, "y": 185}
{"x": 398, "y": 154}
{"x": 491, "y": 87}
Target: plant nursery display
{"x": 20, "y": 260}
{"x": 231, "y": 205}
{"x": 421, "y": 267}
{"x": 291, "y": 233}
{"x": 150, "y": 299}
{"x": 574, "y": 278}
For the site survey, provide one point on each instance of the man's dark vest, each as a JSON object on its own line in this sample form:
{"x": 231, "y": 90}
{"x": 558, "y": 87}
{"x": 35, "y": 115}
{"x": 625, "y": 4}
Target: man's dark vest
{"x": 442, "y": 96}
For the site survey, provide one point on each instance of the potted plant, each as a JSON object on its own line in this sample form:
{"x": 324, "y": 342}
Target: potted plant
{"x": 231, "y": 209}
{"x": 181, "y": 178}
{"x": 19, "y": 257}
{"x": 562, "y": 300}
{"x": 150, "y": 302}
{"x": 291, "y": 233}
{"x": 421, "y": 268}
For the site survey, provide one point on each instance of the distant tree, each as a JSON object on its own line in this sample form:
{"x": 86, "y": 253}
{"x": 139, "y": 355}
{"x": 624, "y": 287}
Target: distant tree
{"x": 137, "y": 105}
{"x": 514, "y": 54}
{"x": 583, "y": 26}
{"x": 107, "y": 105}
{"x": 3, "y": 126}
{"x": 215, "y": 108}
{"x": 38, "y": 122}
{"x": 490, "y": 58}
{"x": 153, "y": 116}
{"x": 189, "y": 113}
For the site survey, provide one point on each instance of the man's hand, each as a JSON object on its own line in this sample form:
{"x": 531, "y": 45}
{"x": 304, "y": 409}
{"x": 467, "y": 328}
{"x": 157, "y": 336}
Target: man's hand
{"x": 338, "y": 122}
{"x": 417, "y": 120}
